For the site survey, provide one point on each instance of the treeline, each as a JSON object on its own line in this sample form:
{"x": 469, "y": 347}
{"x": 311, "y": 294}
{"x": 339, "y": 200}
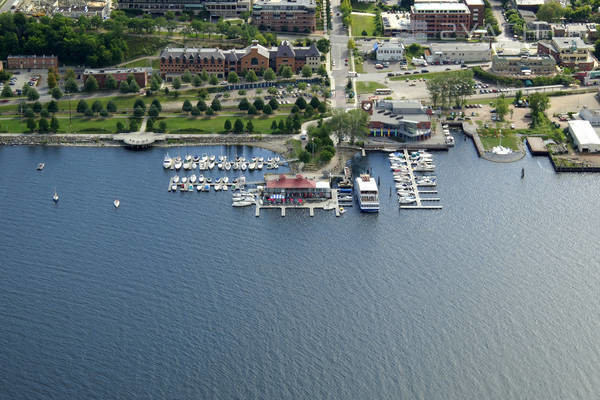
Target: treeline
{"x": 451, "y": 89}
{"x": 490, "y": 20}
{"x": 486, "y": 76}
{"x": 69, "y": 39}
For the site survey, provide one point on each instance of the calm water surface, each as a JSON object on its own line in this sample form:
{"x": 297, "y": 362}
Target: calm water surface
{"x": 181, "y": 296}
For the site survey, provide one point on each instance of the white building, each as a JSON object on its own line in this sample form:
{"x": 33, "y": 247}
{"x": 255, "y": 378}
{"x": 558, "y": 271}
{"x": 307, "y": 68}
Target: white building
{"x": 395, "y": 23}
{"x": 451, "y": 52}
{"x": 593, "y": 116}
{"x": 585, "y": 136}
{"x": 390, "y": 50}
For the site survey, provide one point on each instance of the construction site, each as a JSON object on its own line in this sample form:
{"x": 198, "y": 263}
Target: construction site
{"x": 68, "y": 8}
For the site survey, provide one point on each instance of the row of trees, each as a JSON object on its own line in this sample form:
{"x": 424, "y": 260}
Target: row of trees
{"x": 201, "y": 106}
{"x": 451, "y": 89}
{"x": 42, "y": 125}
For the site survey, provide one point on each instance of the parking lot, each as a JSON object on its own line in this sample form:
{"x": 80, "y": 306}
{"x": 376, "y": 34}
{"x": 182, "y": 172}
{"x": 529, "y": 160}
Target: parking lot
{"x": 34, "y": 78}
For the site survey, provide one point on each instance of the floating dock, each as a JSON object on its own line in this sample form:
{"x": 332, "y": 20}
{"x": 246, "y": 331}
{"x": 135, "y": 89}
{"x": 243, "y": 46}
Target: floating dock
{"x": 419, "y": 200}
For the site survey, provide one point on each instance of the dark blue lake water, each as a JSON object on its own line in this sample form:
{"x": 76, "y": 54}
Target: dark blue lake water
{"x": 181, "y": 296}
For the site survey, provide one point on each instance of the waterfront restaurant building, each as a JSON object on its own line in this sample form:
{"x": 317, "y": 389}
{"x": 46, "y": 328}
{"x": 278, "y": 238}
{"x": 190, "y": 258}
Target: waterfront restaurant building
{"x": 407, "y": 120}
{"x": 294, "y": 189}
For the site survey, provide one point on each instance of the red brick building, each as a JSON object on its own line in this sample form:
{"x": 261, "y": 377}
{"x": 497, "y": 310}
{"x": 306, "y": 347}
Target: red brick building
{"x": 572, "y": 52}
{"x": 441, "y": 19}
{"x": 175, "y": 61}
{"x": 33, "y": 62}
{"x": 285, "y": 15}
{"x": 476, "y": 8}
{"x": 120, "y": 74}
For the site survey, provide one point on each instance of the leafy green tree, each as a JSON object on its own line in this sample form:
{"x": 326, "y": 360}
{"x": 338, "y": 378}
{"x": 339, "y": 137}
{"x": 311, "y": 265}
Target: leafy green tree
{"x": 33, "y": 95}
{"x": 227, "y": 126}
{"x": 196, "y": 81}
{"x": 186, "y": 107}
{"x": 52, "y": 106}
{"x": 124, "y": 87}
{"x": 54, "y": 125}
{"x": 82, "y": 106}
{"x": 267, "y": 110}
{"x": 37, "y": 107}
{"x": 154, "y": 85}
{"x": 250, "y": 127}
{"x": 150, "y": 125}
{"x": 91, "y": 84}
{"x": 162, "y": 126}
{"x": 204, "y": 76}
{"x": 216, "y": 104}
{"x": 6, "y": 91}
{"x": 51, "y": 80}
{"x": 134, "y": 87}
{"x": 71, "y": 86}
{"x": 538, "y": 102}
{"x": 139, "y": 103}
{"x": 156, "y": 103}
{"x": 301, "y": 103}
{"x": 111, "y": 83}
{"x": 153, "y": 111}
{"x": 281, "y": 126}
{"x": 252, "y": 110}
{"x": 323, "y": 45}
{"x": 56, "y": 93}
{"x": 133, "y": 125}
{"x": 111, "y": 107}
{"x": 304, "y": 156}
{"x": 210, "y": 111}
{"x": 238, "y": 126}
{"x": 243, "y": 104}
{"x": 120, "y": 127}
{"x": 322, "y": 70}
{"x": 269, "y": 75}
{"x": 307, "y": 71}
{"x": 259, "y": 104}
{"x": 195, "y": 112}
{"x": 31, "y": 125}
{"x": 314, "y": 102}
{"x": 138, "y": 112}
{"x": 233, "y": 77}
{"x": 43, "y": 125}
{"x": 551, "y": 11}
{"x": 251, "y": 76}
{"x": 286, "y": 72}
{"x": 213, "y": 80}
{"x": 187, "y": 76}
{"x": 501, "y": 104}
{"x": 273, "y": 104}
{"x": 176, "y": 83}
{"x": 274, "y": 126}
{"x": 97, "y": 107}
{"x": 201, "y": 105}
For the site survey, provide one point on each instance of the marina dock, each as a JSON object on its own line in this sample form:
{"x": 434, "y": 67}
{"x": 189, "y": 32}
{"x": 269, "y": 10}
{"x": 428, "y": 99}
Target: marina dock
{"x": 417, "y": 192}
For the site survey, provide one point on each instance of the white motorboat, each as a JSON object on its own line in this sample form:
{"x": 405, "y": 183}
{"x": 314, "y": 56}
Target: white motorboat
{"x": 167, "y": 161}
{"x": 276, "y": 159}
{"x": 200, "y": 178}
{"x": 217, "y": 187}
{"x": 204, "y": 157}
{"x": 236, "y": 166}
{"x": 41, "y": 166}
{"x": 199, "y": 188}
{"x": 259, "y": 165}
{"x": 188, "y": 157}
{"x": 244, "y": 167}
{"x": 194, "y": 165}
{"x": 225, "y": 187}
{"x": 193, "y": 179}
{"x": 211, "y": 158}
{"x": 218, "y": 180}
{"x": 252, "y": 166}
{"x": 187, "y": 165}
{"x": 450, "y": 140}
{"x": 261, "y": 159}
{"x": 178, "y": 163}
{"x": 211, "y": 164}
{"x": 116, "y": 203}
{"x": 176, "y": 179}
{"x": 203, "y": 166}
{"x": 227, "y": 166}
{"x": 225, "y": 179}
{"x": 406, "y": 200}
{"x": 174, "y": 188}
{"x": 196, "y": 159}
{"x": 55, "y": 196}
{"x": 242, "y": 203}
{"x": 220, "y": 166}
{"x": 184, "y": 179}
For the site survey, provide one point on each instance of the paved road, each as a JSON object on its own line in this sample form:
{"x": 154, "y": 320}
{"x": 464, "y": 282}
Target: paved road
{"x": 339, "y": 52}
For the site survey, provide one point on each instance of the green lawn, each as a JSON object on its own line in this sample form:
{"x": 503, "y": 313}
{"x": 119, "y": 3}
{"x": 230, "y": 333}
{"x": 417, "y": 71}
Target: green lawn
{"x": 145, "y": 62}
{"x": 362, "y": 23}
{"x": 144, "y": 45}
{"x": 364, "y": 7}
{"x": 368, "y": 87}
{"x": 12, "y": 125}
{"x": 215, "y": 124}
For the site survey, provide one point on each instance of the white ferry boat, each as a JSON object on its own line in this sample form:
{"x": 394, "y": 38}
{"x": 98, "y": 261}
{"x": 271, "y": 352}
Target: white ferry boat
{"x": 367, "y": 193}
